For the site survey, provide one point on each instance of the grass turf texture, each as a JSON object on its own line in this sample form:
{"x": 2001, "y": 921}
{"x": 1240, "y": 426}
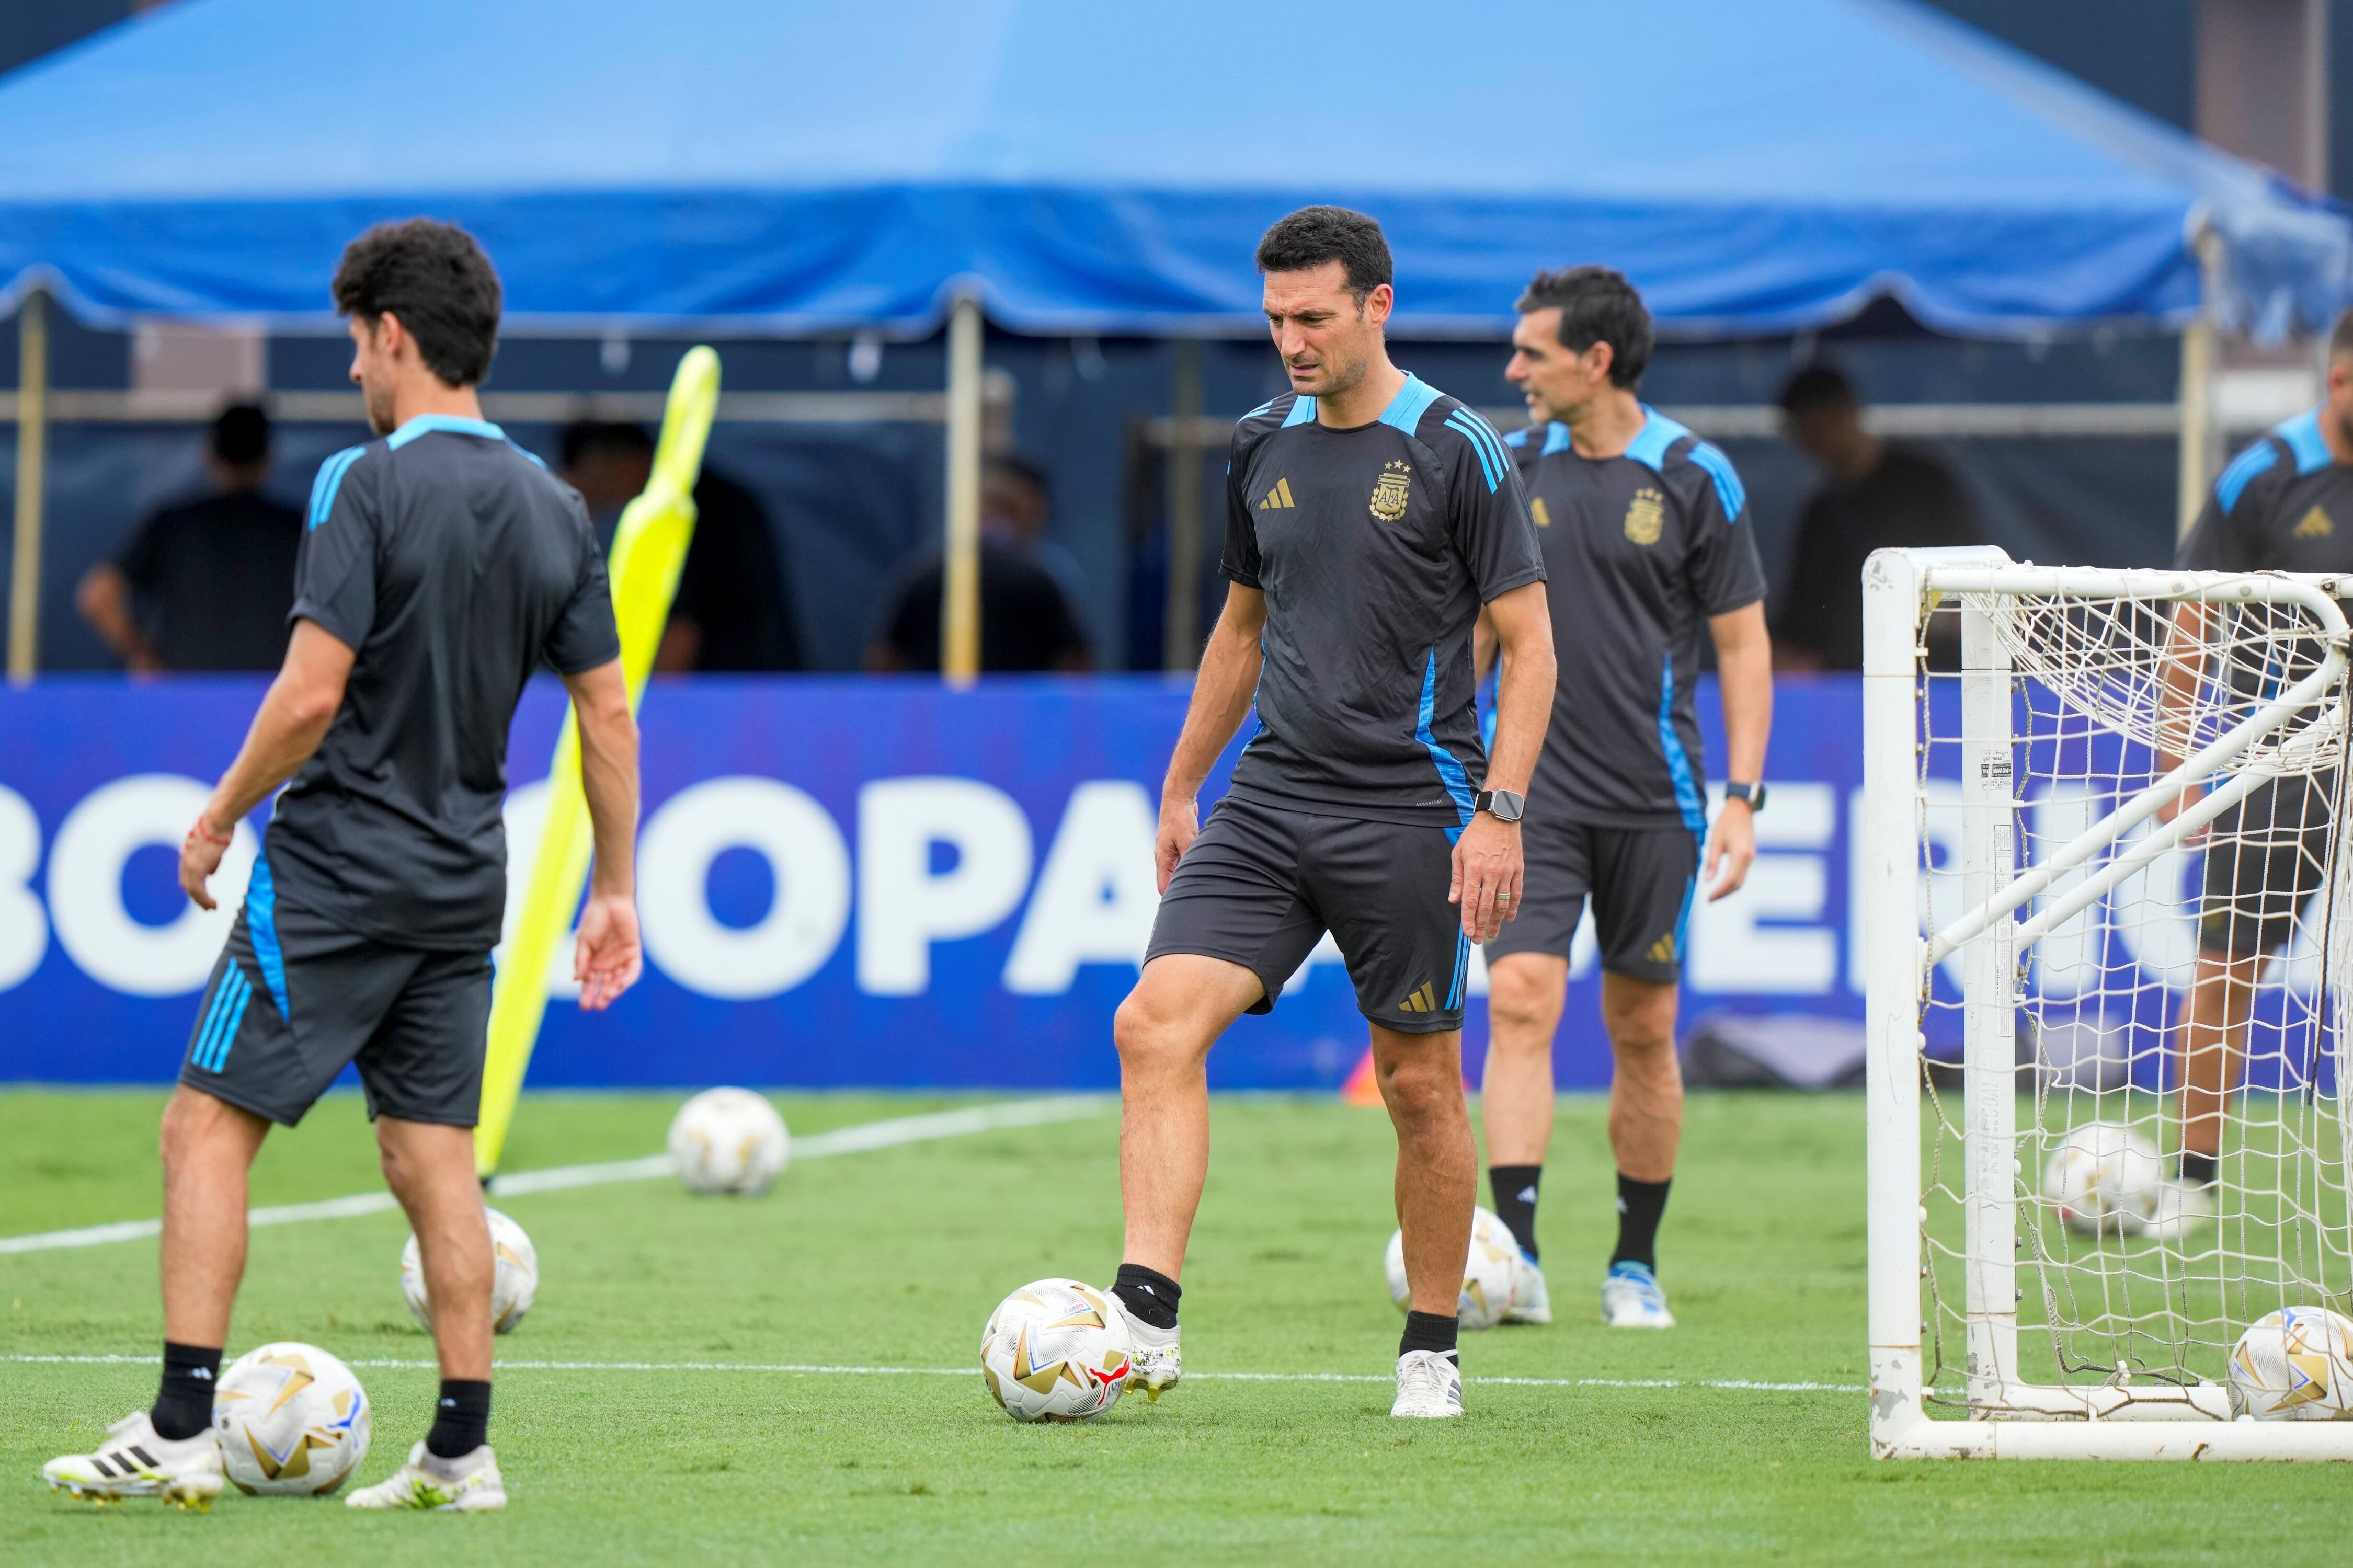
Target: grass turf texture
{"x": 895, "y": 1257}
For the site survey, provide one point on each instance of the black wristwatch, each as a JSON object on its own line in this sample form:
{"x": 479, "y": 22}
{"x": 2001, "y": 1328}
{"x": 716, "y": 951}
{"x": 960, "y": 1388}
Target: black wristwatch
{"x": 1502, "y": 805}
{"x": 1753, "y": 794}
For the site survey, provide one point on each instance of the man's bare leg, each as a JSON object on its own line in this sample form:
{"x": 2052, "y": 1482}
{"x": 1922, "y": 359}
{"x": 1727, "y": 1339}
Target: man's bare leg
{"x": 208, "y": 1146}
{"x": 1438, "y": 1165}
{"x": 1526, "y": 992}
{"x": 1646, "y": 1085}
{"x": 2210, "y": 1050}
{"x": 431, "y": 1169}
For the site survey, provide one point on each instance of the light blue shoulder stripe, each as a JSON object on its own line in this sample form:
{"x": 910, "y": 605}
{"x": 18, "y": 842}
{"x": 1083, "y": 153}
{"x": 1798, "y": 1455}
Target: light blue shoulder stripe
{"x": 1727, "y": 484}
{"x": 1518, "y": 437}
{"x": 1493, "y": 461}
{"x": 1555, "y": 439}
{"x": 2303, "y": 436}
{"x": 425, "y": 424}
{"x": 1302, "y": 412}
{"x": 537, "y": 461}
{"x": 1658, "y": 433}
{"x": 1467, "y": 420}
{"x": 330, "y": 479}
{"x": 2241, "y": 471}
{"x": 1412, "y": 401}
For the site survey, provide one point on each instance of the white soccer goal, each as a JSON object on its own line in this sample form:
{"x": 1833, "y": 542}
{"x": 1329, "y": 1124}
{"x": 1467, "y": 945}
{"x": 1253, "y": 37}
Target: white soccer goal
{"x": 2030, "y": 928}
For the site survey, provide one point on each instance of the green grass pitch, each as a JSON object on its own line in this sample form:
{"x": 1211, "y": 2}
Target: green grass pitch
{"x": 894, "y": 1258}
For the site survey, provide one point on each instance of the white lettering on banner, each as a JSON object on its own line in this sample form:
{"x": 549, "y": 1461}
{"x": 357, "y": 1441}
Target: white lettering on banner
{"x": 903, "y": 907}
{"x": 806, "y": 856}
{"x": 2155, "y": 923}
{"x": 94, "y": 843}
{"x": 525, "y": 816}
{"x": 24, "y": 925}
{"x": 2069, "y": 961}
{"x": 1097, "y": 894}
{"x": 1731, "y": 949}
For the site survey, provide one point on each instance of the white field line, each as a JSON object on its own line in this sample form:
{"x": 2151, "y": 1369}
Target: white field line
{"x": 816, "y": 1369}
{"x": 857, "y": 1139}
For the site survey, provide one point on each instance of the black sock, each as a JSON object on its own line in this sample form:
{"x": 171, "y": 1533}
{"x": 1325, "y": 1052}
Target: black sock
{"x": 2199, "y": 1170}
{"x": 1640, "y": 1204}
{"x": 1148, "y": 1294}
{"x": 461, "y": 1420}
{"x": 183, "y": 1404}
{"x": 1429, "y": 1332}
{"x": 1515, "y": 1187}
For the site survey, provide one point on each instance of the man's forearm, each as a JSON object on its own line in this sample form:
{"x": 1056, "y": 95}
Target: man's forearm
{"x": 1221, "y": 696}
{"x": 286, "y": 730}
{"x": 1746, "y": 678}
{"x": 1522, "y": 709}
{"x": 609, "y": 777}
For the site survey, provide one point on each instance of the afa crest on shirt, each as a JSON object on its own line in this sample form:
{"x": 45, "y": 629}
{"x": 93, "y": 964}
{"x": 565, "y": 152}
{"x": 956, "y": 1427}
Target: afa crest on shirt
{"x": 1645, "y": 516}
{"x": 1392, "y": 491}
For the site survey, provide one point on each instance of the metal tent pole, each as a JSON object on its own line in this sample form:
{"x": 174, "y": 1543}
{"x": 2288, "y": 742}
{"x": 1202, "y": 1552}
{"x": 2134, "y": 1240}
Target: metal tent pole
{"x": 2197, "y": 400}
{"x": 32, "y": 451}
{"x": 960, "y": 582}
{"x": 1180, "y": 640}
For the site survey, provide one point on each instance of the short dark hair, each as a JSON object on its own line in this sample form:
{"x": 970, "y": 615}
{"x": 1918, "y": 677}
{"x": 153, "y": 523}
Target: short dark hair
{"x": 584, "y": 437}
{"x": 437, "y": 281}
{"x": 1021, "y": 468}
{"x": 1314, "y": 235}
{"x": 1597, "y": 305}
{"x": 2340, "y": 336}
{"x": 241, "y": 435}
{"x": 1817, "y": 386}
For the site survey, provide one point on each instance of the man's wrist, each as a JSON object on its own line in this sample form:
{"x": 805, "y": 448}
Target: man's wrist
{"x": 211, "y": 832}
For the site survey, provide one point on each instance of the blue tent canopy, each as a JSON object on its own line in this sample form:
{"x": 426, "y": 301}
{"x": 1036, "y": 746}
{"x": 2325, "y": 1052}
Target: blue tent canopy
{"x": 747, "y": 167}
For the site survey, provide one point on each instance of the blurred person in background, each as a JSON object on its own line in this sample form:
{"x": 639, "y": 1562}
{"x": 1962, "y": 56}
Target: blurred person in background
{"x": 1874, "y": 495}
{"x": 1029, "y": 588}
{"x": 733, "y": 609}
{"x": 204, "y": 583}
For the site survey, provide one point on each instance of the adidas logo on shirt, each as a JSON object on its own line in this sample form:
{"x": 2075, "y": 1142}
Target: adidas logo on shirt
{"x": 1277, "y": 499}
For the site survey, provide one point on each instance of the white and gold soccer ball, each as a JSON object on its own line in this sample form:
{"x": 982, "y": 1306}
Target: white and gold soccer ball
{"x": 729, "y": 1141}
{"x": 1490, "y": 1275}
{"x": 1055, "y": 1349}
{"x": 292, "y": 1421}
{"x": 2295, "y": 1364}
{"x": 514, "y": 1287}
{"x": 2105, "y": 1178}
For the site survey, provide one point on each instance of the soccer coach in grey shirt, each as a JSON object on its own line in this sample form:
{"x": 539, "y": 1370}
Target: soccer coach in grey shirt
{"x": 440, "y": 567}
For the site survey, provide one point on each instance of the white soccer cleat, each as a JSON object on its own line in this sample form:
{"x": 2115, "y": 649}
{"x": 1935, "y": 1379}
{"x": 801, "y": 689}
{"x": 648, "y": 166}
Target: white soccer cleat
{"x": 1154, "y": 1354}
{"x": 2174, "y": 1209}
{"x": 1531, "y": 1299}
{"x": 470, "y": 1485}
{"x": 135, "y": 1462}
{"x": 1631, "y": 1299}
{"x": 1429, "y": 1385}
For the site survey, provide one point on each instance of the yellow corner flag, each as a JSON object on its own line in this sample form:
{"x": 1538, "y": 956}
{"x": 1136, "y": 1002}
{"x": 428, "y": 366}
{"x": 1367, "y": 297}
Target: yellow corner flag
{"x": 648, "y": 552}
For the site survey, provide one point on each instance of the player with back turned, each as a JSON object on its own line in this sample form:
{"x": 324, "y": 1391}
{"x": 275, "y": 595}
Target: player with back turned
{"x": 440, "y": 567}
{"x": 2284, "y": 504}
{"x": 1368, "y": 518}
{"x": 1647, "y": 545}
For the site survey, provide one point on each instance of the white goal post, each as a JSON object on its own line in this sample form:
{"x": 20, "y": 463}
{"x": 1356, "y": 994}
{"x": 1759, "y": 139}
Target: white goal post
{"x": 2030, "y": 920}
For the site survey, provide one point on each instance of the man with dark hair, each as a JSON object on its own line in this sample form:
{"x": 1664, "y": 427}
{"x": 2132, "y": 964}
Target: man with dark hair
{"x": 440, "y": 567}
{"x": 2275, "y": 508}
{"x": 733, "y": 610}
{"x": 204, "y": 583}
{"x": 1874, "y": 495}
{"x": 1368, "y": 517}
{"x": 1646, "y": 545}
{"x": 1030, "y": 590}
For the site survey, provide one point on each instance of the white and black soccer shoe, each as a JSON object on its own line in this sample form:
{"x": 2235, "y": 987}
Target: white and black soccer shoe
{"x": 468, "y": 1485}
{"x": 135, "y": 1462}
{"x": 1152, "y": 1353}
{"x": 1429, "y": 1385}
{"x": 1531, "y": 1297}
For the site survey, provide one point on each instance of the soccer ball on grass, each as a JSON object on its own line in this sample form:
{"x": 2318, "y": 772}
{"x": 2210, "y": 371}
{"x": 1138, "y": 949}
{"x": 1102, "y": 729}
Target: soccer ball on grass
{"x": 292, "y": 1421}
{"x": 2295, "y": 1364}
{"x": 729, "y": 1141}
{"x": 1055, "y": 1350}
{"x": 513, "y": 1288}
{"x": 1490, "y": 1275}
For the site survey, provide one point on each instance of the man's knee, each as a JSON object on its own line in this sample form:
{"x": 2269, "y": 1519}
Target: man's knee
{"x": 1524, "y": 1001}
{"x": 1639, "y": 1016}
{"x": 1421, "y": 1084}
{"x": 1175, "y": 1013}
{"x": 196, "y": 1124}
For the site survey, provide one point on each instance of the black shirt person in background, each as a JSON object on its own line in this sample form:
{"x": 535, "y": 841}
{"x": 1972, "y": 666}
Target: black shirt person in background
{"x": 732, "y": 610}
{"x": 1873, "y": 496}
{"x": 204, "y": 583}
{"x": 1028, "y": 618}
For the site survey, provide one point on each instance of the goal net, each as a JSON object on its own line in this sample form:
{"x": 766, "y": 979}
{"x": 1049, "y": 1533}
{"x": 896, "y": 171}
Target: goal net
{"x": 2077, "y": 782}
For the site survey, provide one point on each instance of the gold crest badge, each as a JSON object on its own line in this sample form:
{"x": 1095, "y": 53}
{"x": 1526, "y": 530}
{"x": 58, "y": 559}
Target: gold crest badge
{"x": 1645, "y": 516}
{"x": 1392, "y": 491}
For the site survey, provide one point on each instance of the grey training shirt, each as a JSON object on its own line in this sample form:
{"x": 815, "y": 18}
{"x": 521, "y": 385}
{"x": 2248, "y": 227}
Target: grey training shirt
{"x": 453, "y": 566}
{"x": 1374, "y": 546}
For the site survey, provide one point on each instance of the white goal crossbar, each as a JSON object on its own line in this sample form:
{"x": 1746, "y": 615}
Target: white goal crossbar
{"x": 2078, "y": 1406}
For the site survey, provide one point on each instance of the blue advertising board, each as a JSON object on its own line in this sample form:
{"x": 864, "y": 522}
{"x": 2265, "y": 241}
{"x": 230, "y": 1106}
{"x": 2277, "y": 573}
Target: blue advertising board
{"x": 844, "y": 881}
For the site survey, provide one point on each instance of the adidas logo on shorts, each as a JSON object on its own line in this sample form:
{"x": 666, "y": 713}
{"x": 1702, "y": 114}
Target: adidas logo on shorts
{"x": 1423, "y": 1000}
